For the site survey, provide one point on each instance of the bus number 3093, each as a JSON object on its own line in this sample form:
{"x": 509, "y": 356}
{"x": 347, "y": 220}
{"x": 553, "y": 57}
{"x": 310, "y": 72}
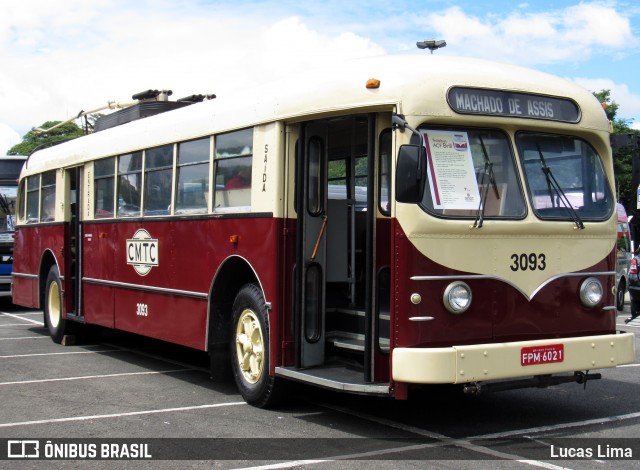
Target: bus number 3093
{"x": 142, "y": 310}
{"x": 528, "y": 262}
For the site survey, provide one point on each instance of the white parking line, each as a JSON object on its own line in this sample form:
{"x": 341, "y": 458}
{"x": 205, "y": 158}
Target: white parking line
{"x": 24, "y": 337}
{"x": 445, "y": 440}
{"x": 556, "y": 427}
{"x": 120, "y": 415}
{"x": 59, "y": 354}
{"x": 85, "y": 377}
{"x": 20, "y": 317}
{"x": 13, "y": 324}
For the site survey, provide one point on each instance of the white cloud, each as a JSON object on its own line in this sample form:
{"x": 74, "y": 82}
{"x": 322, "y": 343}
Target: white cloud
{"x": 8, "y": 138}
{"x": 629, "y": 103}
{"x": 63, "y": 57}
{"x": 56, "y": 65}
{"x": 569, "y": 34}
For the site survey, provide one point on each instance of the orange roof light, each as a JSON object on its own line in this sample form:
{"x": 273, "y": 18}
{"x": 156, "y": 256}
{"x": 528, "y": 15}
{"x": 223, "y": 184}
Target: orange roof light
{"x": 373, "y": 83}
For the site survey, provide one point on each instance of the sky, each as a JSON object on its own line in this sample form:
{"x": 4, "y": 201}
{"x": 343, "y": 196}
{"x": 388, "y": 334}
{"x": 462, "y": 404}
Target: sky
{"x": 58, "y": 58}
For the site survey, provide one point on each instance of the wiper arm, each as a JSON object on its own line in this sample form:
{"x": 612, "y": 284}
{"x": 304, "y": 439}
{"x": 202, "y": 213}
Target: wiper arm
{"x": 552, "y": 184}
{"x": 488, "y": 172}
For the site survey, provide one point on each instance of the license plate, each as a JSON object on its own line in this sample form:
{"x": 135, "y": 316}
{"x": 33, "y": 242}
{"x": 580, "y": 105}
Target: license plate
{"x": 542, "y": 354}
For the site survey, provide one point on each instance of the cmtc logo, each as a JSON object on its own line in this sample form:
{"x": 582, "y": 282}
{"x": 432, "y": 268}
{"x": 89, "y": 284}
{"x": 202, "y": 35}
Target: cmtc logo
{"x": 142, "y": 252}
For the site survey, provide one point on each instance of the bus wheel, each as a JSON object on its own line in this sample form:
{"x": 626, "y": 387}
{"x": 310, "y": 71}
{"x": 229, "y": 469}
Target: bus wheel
{"x": 250, "y": 347}
{"x": 58, "y": 326}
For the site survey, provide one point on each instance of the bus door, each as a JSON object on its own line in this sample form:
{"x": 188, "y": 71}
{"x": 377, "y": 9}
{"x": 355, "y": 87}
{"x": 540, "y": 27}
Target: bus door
{"x": 335, "y": 264}
{"x": 311, "y": 198}
{"x": 72, "y": 243}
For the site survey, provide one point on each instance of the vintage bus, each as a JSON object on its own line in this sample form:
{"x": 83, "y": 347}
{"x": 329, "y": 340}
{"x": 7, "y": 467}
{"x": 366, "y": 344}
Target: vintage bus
{"x": 10, "y": 167}
{"x": 370, "y": 227}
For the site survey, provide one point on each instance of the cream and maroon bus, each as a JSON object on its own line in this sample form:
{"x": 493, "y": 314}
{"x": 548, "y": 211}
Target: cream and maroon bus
{"x": 369, "y": 227}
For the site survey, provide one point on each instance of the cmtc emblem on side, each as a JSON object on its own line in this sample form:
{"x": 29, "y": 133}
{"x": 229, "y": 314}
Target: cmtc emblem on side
{"x": 142, "y": 252}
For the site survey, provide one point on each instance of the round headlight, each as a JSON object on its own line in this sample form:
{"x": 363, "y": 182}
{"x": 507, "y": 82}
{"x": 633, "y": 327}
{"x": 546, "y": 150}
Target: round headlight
{"x": 457, "y": 297}
{"x": 591, "y": 292}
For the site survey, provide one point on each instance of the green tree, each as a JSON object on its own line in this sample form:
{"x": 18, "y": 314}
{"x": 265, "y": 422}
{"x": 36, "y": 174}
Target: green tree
{"x": 622, "y": 155}
{"x": 35, "y": 139}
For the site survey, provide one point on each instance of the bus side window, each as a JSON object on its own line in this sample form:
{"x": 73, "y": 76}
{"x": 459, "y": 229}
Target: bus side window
{"x": 129, "y": 184}
{"x": 234, "y": 155}
{"x": 21, "y": 202}
{"x": 158, "y": 169}
{"x": 192, "y": 180}
{"x": 48, "y": 197}
{"x": 33, "y": 199}
{"x": 104, "y": 184}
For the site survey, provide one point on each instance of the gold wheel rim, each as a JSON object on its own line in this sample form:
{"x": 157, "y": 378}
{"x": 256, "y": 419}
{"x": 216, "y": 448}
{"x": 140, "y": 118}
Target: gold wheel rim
{"x": 53, "y": 304}
{"x": 249, "y": 346}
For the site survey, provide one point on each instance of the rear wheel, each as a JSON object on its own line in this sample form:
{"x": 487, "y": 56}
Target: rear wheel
{"x": 57, "y": 325}
{"x": 250, "y": 348}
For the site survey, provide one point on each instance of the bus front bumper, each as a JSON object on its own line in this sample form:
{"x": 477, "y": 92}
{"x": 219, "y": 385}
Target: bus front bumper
{"x": 481, "y": 362}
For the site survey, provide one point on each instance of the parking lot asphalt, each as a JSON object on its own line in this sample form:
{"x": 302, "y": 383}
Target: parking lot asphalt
{"x": 125, "y": 390}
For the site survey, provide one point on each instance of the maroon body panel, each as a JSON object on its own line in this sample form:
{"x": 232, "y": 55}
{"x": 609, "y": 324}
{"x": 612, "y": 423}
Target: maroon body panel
{"x": 170, "y": 302}
{"x": 31, "y": 243}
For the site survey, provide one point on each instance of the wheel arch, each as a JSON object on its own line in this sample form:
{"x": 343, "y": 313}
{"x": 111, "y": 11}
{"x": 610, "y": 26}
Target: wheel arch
{"x": 232, "y": 274}
{"x": 46, "y": 262}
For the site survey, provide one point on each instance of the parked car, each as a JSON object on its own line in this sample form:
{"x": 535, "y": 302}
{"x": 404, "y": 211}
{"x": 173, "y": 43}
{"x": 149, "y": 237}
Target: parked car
{"x": 624, "y": 258}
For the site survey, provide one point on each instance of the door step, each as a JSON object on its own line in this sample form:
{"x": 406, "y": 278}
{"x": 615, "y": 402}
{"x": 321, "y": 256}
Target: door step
{"x": 351, "y": 341}
{"x": 335, "y": 377}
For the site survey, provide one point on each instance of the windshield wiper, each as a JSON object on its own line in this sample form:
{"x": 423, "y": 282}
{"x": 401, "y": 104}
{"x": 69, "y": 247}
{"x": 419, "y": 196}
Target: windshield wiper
{"x": 488, "y": 172}
{"x": 553, "y": 185}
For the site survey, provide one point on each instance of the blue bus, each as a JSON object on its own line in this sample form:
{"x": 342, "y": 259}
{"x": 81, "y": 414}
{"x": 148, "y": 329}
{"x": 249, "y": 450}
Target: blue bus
{"x": 10, "y": 167}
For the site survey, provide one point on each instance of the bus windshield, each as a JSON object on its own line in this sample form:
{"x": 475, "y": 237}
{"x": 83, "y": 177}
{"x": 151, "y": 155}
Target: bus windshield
{"x": 565, "y": 177}
{"x": 471, "y": 171}
{"x": 7, "y": 207}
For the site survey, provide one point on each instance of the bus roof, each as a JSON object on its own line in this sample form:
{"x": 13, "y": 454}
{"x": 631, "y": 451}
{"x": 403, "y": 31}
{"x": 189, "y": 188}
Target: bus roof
{"x": 414, "y": 84}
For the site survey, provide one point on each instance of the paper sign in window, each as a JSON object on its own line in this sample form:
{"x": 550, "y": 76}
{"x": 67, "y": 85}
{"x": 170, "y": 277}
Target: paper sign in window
{"x": 452, "y": 177}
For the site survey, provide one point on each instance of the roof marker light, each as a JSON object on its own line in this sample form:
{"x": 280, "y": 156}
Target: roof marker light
{"x": 373, "y": 83}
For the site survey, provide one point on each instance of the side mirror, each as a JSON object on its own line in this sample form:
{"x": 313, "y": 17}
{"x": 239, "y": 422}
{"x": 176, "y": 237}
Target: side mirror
{"x": 411, "y": 173}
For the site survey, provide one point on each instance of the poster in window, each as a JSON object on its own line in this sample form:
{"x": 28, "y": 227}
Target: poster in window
{"x": 452, "y": 177}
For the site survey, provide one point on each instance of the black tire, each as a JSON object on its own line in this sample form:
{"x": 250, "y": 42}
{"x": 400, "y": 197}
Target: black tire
{"x": 622, "y": 288}
{"x": 250, "y": 348}
{"x": 58, "y": 326}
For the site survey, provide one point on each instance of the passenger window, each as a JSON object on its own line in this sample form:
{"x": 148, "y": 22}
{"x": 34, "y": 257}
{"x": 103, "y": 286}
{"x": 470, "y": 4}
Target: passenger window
{"x": 21, "y": 201}
{"x": 192, "y": 182}
{"x": 129, "y": 184}
{"x": 158, "y": 170}
{"x": 104, "y": 184}
{"x": 48, "y": 195}
{"x": 234, "y": 154}
{"x": 33, "y": 199}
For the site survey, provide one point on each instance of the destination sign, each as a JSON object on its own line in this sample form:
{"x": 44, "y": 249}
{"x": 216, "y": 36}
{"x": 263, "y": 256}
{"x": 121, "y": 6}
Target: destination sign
{"x": 512, "y": 104}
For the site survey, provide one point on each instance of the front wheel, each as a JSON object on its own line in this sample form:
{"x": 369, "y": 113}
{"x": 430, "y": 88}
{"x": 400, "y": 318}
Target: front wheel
{"x": 57, "y": 325}
{"x": 250, "y": 348}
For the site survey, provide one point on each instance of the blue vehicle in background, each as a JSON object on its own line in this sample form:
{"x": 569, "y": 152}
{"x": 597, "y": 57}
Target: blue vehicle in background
{"x": 10, "y": 167}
